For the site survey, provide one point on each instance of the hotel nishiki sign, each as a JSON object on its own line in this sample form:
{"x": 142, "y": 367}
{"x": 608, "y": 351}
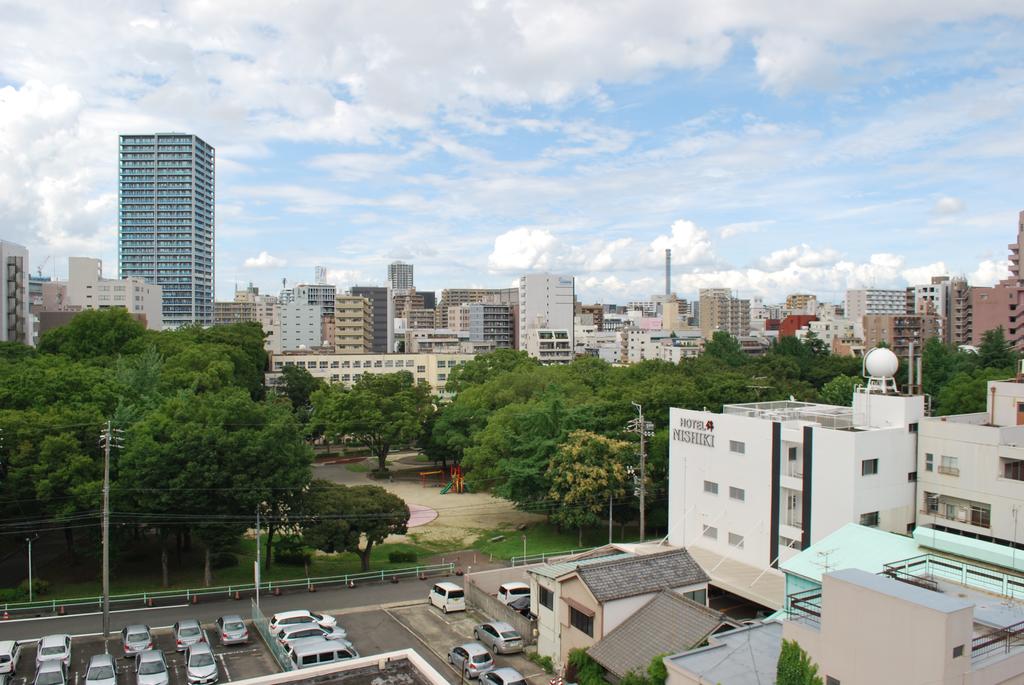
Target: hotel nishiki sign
{"x": 700, "y": 432}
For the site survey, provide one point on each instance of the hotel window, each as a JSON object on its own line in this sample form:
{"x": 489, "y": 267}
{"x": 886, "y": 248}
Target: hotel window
{"x": 1013, "y": 469}
{"x": 736, "y": 540}
{"x": 581, "y": 621}
{"x": 334, "y": 365}
{"x": 950, "y": 466}
{"x": 710, "y": 487}
{"x": 737, "y": 447}
{"x": 737, "y": 494}
{"x": 869, "y": 467}
{"x": 869, "y": 519}
{"x": 545, "y": 597}
{"x": 711, "y": 532}
{"x": 929, "y": 461}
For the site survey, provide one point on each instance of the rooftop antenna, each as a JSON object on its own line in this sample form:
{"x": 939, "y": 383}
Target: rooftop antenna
{"x": 825, "y": 560}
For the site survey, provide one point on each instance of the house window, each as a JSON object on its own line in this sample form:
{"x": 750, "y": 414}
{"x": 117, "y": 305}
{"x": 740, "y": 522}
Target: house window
{"x": 736, "y": 540}
{"x": 958, "y": 651}
{"x": 950, "y": 466}
{"x": 581, "y": 622}
{"x": 981, "y": 515}
{"x": 929, "y": 461}
{"x": 911, "y": 427}
{"x": 546, "y": 597}
{"x": 737, "y": 494}
{"x": 912, "y": 477}
{"x": 869, "y": 519}
{"x": 1013, "y": 469}
{"x": 711, "y": 532}
{"x": 869, "y": 467}
{"x": 698, "y": 596}
{"x": 829, "y": 680}
{"x": 737, "y": 447}
{"x": 710, "y": 487}
{"x": 792, "y": 454}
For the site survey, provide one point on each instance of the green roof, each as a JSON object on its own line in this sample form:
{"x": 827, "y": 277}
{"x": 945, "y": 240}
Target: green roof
{"x": 558, "y": 570}
{"x": 852, "y": 546}
{"x": 969, "y": 548}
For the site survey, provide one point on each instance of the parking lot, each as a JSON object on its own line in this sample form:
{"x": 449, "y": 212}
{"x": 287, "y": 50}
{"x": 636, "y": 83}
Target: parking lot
{"x": 234, "y": 663}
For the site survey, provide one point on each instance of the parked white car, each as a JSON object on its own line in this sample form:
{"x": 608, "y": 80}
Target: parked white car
{"x": 448, "y": 597}
{"x": 508, "y": 592}
{"x": 10, "y": 655}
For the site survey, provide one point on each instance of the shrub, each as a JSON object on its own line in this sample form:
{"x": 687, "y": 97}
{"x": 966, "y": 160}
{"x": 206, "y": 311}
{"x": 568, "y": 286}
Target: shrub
{"x": 399, "y": 557}
{"x": 380, "y": 475}
{"x": 544, "y": 662}
{"x": 291, "y": 552}
{"x": 587, "y": 671}
{"x": 39, "y": 587}
{"x": 225, "y": 560}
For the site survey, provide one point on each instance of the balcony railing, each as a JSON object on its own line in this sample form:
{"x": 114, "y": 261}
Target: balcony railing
{"x": 948, "y": 470}
{"x": 805, "y": 606}
{"x": 931, "y": 567}
{"x": 1002, "y": 640}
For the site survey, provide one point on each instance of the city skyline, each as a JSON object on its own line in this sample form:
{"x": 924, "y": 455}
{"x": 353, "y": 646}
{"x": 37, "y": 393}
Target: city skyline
{"x": 812, "y": 150}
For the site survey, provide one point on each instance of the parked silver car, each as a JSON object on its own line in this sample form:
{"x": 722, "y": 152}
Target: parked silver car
{"x": 51, "y": 672}
{"x": 471, "y": 659}
{"x": 136, "y": 638}
{"x": 200, "y": 666}
{"x": 499, "y": 636}
{"x": 101, "y": 670}
{"x": 54, "y": 648}
{"x": 188, "y": 633}
{"x": 503, "y": 676}
{"x": 151, "y": 668}
{"x": 287, "y": 633}
{"x": 231, "y": 630}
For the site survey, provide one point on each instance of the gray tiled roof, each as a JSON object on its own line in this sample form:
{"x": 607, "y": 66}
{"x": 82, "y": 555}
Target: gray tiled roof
{"x": 560, "y": 569}
{"x": 641, "y": 575}
{"x": 668, "y": 624}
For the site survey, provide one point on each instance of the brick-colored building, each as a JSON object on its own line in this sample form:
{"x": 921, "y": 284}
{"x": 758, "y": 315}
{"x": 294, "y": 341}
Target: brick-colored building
{"x": 793, "y": 323}
{"x": 898, "y": 331}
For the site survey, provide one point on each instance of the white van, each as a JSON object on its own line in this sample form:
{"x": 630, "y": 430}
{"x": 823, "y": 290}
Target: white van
{"x": 10, "y": 654}
{"x": 512, "y": 590}
{"x": 307, "y": 652}
{"x": 448, "y": 597}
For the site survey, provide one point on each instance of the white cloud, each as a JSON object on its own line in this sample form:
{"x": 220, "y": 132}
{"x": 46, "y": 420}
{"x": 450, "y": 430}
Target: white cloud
{"x": 522, "y": 249}
{"x": 344, "y": 278}
{"x": 690, "y": 244}
{"x": 742, "y": 227}
{"x": 949, "y": 205}
{"x": 921, "y": 275}
{"x": 264, "y": 260}
{"x": 990, "y": 272}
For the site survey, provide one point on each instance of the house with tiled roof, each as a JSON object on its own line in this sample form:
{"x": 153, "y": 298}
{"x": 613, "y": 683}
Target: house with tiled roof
{"x": 578, "y": 602}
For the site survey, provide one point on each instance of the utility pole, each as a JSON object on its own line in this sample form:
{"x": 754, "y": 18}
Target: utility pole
{"x": 609, "y": 518}
{"x": 29, "y": 541}
{"x": 256, "y": 572}
{"x": 107, "y": 439}
{"x": 644, "y": 429}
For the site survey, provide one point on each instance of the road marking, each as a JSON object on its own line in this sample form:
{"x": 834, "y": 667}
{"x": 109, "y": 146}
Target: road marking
{"x": 93, "y": 613}
{"x": 224, "y": 663}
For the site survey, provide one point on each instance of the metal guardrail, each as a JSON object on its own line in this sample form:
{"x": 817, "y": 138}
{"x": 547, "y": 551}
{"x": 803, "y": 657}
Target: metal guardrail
{"x": 1001, "y": 640}
{"x": 544, "y": 556}
{"x": 227, "y": 591}
{"x": 262, "y": 625}
{"x": 932, "y": 566}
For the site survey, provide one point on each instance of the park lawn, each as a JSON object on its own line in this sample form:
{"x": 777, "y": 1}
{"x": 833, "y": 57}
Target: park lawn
{"x": 143, "y": 575}
{"x": 360, "y": 467}
{"x": 541, "y": 538}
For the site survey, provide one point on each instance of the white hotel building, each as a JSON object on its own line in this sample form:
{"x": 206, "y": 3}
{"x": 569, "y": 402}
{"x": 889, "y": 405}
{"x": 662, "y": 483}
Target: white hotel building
{"x": 750, "y": 487}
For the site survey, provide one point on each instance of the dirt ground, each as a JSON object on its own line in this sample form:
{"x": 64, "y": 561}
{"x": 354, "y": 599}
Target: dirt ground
{"x": 461, "y": 518}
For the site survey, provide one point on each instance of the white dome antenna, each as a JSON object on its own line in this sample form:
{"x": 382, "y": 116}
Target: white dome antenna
{"x": 880, "y": 366}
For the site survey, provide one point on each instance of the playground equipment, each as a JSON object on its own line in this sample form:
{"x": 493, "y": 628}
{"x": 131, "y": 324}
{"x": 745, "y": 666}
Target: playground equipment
{"x": 458, "y": 482}
{"x": 425, "y": 477}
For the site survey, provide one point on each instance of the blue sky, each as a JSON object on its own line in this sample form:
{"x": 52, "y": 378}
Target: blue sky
{"x": 811, "y": 146}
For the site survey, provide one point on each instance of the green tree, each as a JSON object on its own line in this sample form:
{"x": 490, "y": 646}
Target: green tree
{"x": 324, "y": 525}
{"x": 964, "y": 393}
{"x": 725, "y": 348}
{"x": 380, "y": 411}
{"x": 373, "y": 514}
{"x": 93, "y": 335}
{"x": 995, "y": 352}
{"x": 298, "y": 385}
{"x": 795, "y": 666}
{"x": 487, "y": 367}
{"x": 585, "y": 471}
{"x": 839, "y": 391}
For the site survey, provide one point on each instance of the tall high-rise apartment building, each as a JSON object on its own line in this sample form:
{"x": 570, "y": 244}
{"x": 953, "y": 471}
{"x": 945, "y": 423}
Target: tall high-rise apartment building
{"x": 353, "y": 325}
{"x": 400, "y": 276}
{"x": 864, "y": 301}
{"x": 720, "y": 311}
{"x": 383, "y": 316}
{"x": 166, "y": 221}
{"x": 1003, "y": 303}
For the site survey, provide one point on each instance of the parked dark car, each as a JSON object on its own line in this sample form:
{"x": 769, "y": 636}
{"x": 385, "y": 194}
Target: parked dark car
{"x": 522, "y": 606}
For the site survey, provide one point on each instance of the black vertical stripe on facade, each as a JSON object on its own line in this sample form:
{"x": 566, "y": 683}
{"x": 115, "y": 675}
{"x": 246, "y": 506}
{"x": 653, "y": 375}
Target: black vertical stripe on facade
{"x": 773, "y": 528}
{"x": 806, "y": 495}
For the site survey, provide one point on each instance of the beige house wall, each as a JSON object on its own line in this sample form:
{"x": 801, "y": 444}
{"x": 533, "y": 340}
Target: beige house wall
{"x": 572, "y": 638}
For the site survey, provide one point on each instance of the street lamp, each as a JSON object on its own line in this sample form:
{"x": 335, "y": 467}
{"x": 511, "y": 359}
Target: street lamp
{"x": 29, "y": 541}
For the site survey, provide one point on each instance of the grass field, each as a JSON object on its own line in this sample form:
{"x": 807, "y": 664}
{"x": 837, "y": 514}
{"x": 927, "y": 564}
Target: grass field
{"x": 544, "y": 539}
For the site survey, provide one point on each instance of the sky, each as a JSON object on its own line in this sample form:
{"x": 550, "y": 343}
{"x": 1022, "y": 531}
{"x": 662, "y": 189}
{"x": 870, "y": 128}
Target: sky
{"x": 803, "y": 146}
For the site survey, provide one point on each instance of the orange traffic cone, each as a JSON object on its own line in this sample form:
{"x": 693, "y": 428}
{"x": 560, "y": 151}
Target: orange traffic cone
{"x": 195, "y": 599}
{"x": 60, "y": 610}
{"x": 7, "y": 616}
{"x": 237, "y": 595}
{"x": 312, "y": 588}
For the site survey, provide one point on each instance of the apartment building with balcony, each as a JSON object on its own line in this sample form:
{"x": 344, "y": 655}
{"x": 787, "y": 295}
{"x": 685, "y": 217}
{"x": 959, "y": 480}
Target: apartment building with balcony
{"x": 753, "y": 485}
{"x": 492, "y": 323}
{"x": 546, "y": 317}
{"x": 15, "y": 303}
{"x": 861, "y": 302}
{"x": 970, "y": 469}
{"x": 353, "y": 325}
{"x": 900, "y": 331}
{"x": 720, "y": 311}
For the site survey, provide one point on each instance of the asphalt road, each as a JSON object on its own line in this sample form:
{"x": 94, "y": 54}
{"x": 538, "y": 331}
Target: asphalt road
{"x": 207, "y": 610}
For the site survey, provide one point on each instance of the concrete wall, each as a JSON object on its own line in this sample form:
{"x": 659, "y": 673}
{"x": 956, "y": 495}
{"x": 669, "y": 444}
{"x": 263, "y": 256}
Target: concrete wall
{"x": 488, "y": 581}
{"x": 496, "y": 611}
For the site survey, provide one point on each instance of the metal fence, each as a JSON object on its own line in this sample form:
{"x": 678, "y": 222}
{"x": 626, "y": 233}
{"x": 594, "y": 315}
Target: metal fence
{"x": 262, "y": 625}
{"x": 1003, "y": 640}
{"x": 542, "y": 558}
{"x": 79, "y": 604}
{"x": 932, "y": 566}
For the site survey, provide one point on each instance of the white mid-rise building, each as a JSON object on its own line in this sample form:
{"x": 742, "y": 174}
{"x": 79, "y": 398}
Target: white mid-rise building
{"x": 970, "y": 469}
{"x": 299, "y": 326}
{"x": 865, "y": 301}
{"x": 15, "y": 315}
{"x": 87, "y": 289}
{"x": 347, "y": 369}
{"x": 758, "y": 482}
{"x": 546, "y": 312}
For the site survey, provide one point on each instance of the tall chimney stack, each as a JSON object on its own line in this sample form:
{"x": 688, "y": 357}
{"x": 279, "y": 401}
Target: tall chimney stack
{"x": 668, "y": 272}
